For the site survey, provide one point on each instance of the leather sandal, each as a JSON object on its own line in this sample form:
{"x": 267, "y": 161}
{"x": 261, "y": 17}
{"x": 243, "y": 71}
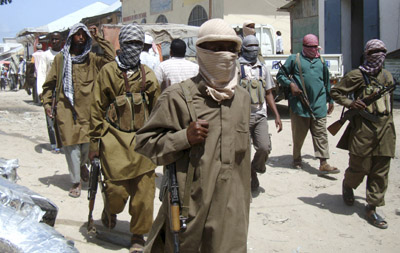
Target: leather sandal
{"x": 297, "y": 164}
{"x": 327, "y": 169}
{"x": 108, "y": 223}
{"x": 137, "y": 242}
{"x": 375, "y": 219}
{"x": 84, "y": 173}
{"x": 75, "y": 191}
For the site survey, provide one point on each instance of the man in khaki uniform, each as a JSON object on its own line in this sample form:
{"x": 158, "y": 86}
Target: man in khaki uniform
{"x": 72, "y": 76}
{"x": 207, "y": 117}
{"x": 134, "y": 87}
{"x": 371, "y": 145}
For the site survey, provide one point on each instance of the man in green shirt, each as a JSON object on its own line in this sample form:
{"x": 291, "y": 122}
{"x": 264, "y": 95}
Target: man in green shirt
{"x": 312, "y": 79}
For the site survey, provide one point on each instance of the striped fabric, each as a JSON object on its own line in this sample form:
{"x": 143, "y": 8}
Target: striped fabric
{"x": 176, "y": 70}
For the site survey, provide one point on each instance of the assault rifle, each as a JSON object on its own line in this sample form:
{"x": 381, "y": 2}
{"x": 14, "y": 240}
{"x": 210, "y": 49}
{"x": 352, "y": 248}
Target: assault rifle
{"x": 303, "y": 99}
{"x": 53, "y": 114}
{"x": 349, "y": 114}
{"x": 174, "y": 205}
{"x": 93, "y": 183}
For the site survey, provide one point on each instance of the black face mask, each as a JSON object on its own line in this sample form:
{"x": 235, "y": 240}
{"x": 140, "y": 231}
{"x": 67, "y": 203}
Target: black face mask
{"x": 250, "y": 55}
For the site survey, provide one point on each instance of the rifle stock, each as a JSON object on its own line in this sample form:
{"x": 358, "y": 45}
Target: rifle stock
{"x": 174, "y": 205}
{"x": 93, "y": 184}
{"x": 335, "y": 127}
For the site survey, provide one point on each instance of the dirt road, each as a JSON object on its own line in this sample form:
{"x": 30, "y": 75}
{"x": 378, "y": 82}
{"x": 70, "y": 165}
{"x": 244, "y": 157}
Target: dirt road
{"x": 296, "y": 210}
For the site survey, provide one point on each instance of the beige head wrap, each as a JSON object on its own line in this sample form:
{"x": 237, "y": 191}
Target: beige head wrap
{"x": 247, "y": 30}
{"x": 218, "y": 68}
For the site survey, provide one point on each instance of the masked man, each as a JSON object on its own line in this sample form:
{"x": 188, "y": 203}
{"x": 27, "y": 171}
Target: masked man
{"x": 371, "y": 144}
{"x": 125, "y": 88}
{"x": 202, "y": 126}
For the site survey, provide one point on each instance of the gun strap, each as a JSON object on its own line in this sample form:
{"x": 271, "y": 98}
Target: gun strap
{"x": 190, "y": 173}
{"x": 301, "y": 74}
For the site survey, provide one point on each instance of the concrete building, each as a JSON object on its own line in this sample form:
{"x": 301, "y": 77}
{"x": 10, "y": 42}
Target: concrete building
{"x": 196, "y": 12}
{"x": 344, "y": 26}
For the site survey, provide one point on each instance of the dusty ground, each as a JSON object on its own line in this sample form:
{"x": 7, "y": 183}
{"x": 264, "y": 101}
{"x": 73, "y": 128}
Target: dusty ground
{"x": 296, "y": 210}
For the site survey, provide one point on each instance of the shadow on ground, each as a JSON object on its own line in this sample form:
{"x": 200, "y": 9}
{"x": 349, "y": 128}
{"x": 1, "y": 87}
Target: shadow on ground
{"x": 45, "y": 146}
{"x": 335, "y": 204}
{"x": 61, "y": 181}
{"x": 285, "y": 161}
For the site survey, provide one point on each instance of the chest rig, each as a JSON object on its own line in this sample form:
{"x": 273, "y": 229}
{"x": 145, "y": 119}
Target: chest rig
{"x": 255, "y": 86}
{"x": 381, "y": 106}
{"x": 129, "y": 111}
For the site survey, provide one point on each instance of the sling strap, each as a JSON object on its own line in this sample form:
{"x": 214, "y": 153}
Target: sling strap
{"x": 193, "y": 161}
{"x": 301, "y": 74}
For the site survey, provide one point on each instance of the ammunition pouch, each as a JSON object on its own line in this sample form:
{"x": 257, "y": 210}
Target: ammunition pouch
{"x": 255, "y": 87}
{"x": 129, "y": 111}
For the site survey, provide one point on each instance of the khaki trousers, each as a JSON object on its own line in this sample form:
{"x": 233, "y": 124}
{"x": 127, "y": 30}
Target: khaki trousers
{"x": 141, "y": 191}
{"x": 300, "y": 127}
{"x": 376, "y": 168}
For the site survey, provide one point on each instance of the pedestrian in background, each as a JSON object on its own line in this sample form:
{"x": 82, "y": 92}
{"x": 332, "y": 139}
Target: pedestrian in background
{"x": 177, "y": 68}
{"x": 279, "y": 43}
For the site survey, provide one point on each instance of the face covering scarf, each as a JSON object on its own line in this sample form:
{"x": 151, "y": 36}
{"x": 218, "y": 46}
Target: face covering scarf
{"x": 68, "y": 87}
{"x": 219, "y": 71}
{"x": 310, "y": 46}
{"x": 130, "y": 53}
{"x": 373, "y": 62}
{"x": 250, "y": 49}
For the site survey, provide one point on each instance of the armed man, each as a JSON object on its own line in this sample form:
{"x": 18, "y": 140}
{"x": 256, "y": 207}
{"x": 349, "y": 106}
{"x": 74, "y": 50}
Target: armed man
{"x": 124, "y": 95}
{"x": 202, "y": 126}
{"x": 308, "y": 101}
{"x": 370, "y": 136}
{"x": 71, "y": 79}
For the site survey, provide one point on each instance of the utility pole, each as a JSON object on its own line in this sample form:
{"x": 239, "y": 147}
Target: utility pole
{"x": 209, "y": 9}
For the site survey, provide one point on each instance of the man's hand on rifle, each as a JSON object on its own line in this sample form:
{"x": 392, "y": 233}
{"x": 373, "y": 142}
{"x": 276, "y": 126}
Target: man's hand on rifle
{"x": 48, "y": 112}
{"x": 93, "y": 154}
{"x": 197, "y": 132}
{"x": 295, "y": 90}
{"x": 357, "y": 104}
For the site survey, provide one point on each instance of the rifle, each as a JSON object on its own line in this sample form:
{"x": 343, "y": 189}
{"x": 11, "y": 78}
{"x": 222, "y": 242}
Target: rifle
{"x": 349, "y": 114}
{"x": 174, "y": 205}
{"x": 303, "y": 99}
{"x": 93, "y": 183}
{"x": 53, "y": 114}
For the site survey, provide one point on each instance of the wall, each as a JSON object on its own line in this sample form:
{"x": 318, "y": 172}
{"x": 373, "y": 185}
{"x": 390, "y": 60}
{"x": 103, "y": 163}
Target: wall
{"x": 137, "y": 10}
{"x": 234, "y": 12}
{"x": 390, "y": 23}
{"x": 304, "y": 20}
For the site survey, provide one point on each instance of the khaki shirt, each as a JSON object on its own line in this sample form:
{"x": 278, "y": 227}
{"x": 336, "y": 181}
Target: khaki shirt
{"x": 117, "y": 155}
{"x": 220, "y": 192}
{"x": 83, "y": 77}
{"x": 363, "y": 137}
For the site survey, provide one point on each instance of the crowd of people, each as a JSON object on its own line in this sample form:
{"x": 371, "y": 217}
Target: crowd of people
{"x": 134, "y": 113}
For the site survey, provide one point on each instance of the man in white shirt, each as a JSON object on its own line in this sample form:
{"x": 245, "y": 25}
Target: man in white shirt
{"x": 146, "y": 57}
{"x": 279, "y": 43}
{"x": 43, "y": 62}
{"x": 176, "y": 69}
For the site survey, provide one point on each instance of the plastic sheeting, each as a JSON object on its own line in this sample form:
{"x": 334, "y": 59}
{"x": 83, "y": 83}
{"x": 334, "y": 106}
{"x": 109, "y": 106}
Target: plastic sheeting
{"x": 23, "y": 234}
{"x": 8, "y": 169}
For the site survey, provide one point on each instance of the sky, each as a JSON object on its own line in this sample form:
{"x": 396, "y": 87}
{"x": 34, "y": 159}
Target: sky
{"x": 21, "y": 14}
